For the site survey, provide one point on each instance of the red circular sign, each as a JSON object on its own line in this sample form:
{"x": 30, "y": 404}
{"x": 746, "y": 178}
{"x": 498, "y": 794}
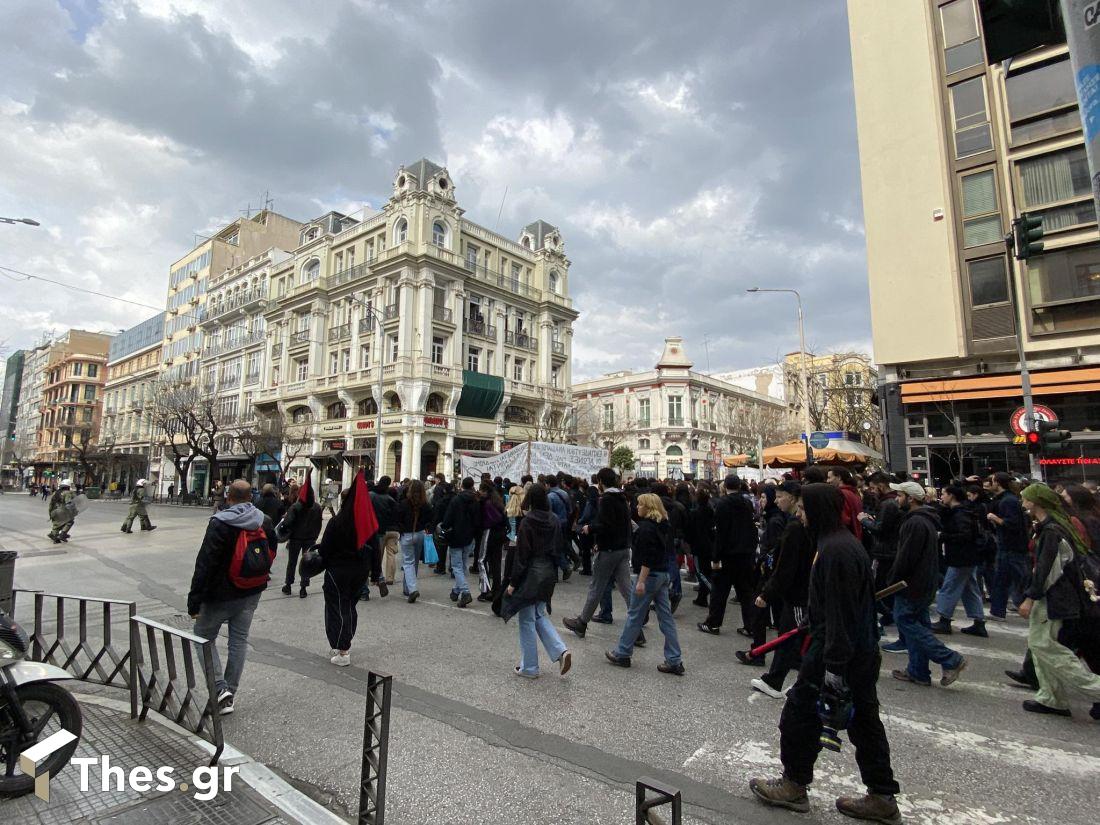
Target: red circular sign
{"x": 1042, "y": 413}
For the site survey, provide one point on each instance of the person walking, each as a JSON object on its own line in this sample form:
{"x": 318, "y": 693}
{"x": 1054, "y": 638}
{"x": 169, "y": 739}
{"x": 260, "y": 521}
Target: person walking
{"x": 610, "y": 529}
{"x": 961, "y": 550}
{"x": 494, "y": 531}
{"x": 1053, "y": 598}
{"x": 734, "y": 557}
{"x": 701, "y": 535}
{"x": 171, "y": 491}
{"x": 775, "y": 523}
{"x": 137, "y": 509}
{"x": 385, "y": 509}
{"x": 442, "y": 494}
{"x": 649, "y": 558}
{"x": 62, "y": 511}
{"x": 461, "y": 525}
{"x": 1012, "y": 564}
{"x": 881, "y": 526}
{"x": 271, "y": 503}
{"x": 531, "y": 586}
{"x": 917, "y": 564}
{"x": 331, "y": 496}
{"x": 414, "y": 521}
{"x": 841, "y": 665}
{"x": 221, "y": 593}
{"x": 349, "y": 559}
{"x": 302, "y": 524}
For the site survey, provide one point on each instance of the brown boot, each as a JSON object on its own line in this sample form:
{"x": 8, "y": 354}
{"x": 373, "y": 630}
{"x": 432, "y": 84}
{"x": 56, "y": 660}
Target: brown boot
{"x": 781, "y": 793}
{"x": 873, "y": 807}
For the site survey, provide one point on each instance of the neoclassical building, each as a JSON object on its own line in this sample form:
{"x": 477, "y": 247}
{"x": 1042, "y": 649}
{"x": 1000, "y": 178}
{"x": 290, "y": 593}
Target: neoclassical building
{"x": 462, "y": 336}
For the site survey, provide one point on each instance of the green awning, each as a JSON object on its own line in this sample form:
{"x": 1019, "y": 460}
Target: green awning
{"x": 481, "y": 395}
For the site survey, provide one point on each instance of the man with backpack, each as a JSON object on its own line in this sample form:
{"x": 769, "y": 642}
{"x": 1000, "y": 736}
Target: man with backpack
{"x": 231, "y": 571}
{"x": 561, "y": 505}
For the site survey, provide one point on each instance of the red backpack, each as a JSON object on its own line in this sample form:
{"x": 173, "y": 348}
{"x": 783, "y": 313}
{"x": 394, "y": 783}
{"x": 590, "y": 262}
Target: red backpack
{"x": 252, "y": 559}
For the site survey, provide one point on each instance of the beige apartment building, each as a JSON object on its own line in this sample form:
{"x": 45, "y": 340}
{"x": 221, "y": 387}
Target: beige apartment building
{"x": 133, "y": 367}
{"x": 462, "y": 336}
{"x": 678, "y": 423}
{"x": 951, "y": 150}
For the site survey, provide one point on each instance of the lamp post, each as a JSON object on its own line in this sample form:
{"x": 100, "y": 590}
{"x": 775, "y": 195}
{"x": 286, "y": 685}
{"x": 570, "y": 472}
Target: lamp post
{"x": 804, "y": 374}
{"x": 27, "y": 221}
{"x": 381, "y": 358}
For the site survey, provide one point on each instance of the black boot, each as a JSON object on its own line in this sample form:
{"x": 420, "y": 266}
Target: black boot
{"x": 942, "y": 627}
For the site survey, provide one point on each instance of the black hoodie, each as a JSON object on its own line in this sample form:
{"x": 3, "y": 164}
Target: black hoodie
{"x": 918, "y": 559}
{"x": 611, "y": 527}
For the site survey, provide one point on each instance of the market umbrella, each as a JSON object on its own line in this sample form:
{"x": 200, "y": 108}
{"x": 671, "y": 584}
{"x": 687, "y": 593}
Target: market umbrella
{"x": 739, "y": 460}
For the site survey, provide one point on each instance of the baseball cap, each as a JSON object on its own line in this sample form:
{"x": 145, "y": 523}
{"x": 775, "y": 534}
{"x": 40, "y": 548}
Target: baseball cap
{"x": 910, "y": 488}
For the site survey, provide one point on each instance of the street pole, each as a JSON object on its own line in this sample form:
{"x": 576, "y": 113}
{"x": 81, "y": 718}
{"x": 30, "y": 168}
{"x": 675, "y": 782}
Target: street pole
{"x": 1083, "y": 37}
{"x": 1034, "y": 467}
{"x": 381, "y": 359}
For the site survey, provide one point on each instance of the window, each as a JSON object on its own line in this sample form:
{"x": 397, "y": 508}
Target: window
{"x": 367, "y": 407}
{"x": 981, "y": 220}
{"x": 517, "y": 369}
{"x": 337, "y": 410}
{"x": 972, "y": 133}
{"x": 608, "y": 416}
{"x": 643, "y": 412}
{"x": 471, "y": 256}
{"x": 86, "y": 414}
{"x": 1048, "y": 180}
{"x": 400, "y": 231}
{"x": 1042, "y": 101}
{"x": 643, "y": 443}
{"x": 554, "y": 282}
{"x": 350, "y": 257}
{"x": 439, "y": 233}
{"x": 674, "y": 452}
{"x": 473, "y": 359}
{"x": 438, "y": 344}
{"x": 960, "y": 36}
{"x": 676, "y": 411}
{"x": 555, "y": 377}
{"x": 301, "y": 369}
{"x": 1064, "y": 276}
{"x": 988, "y": 284}
{"x": 311, "y": 271}
{"x": 516, "y": 270}
{"x": 89, "y": 392}
{"x": 345, "y": 360}
{"x": 370, "y": 250}
{"x": 333, "y": 363}
{"x": 339, "y": 263}
{"x": 364, "y": 356}
{"x": 393, "y": 348}
{"x": 303, "y": 322}
{"x": 78, "y": 368}
{"x": 301, "y": 414}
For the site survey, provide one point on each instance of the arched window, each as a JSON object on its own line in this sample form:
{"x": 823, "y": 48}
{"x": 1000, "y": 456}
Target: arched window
{"x": 695, "y": 443}
{"x": 518, "y": 415}
{"x": 555, "y": 282}
{"x": 367, "y": 407}
{"x": 301, "y": 414}
{"x": 439, "y": 233}
{"x": 435, "y": 403}
{"x": 311, "y": 271}
{"x": 526, "y": 242}
{"x": 400, "y": 231}
{"x": 337, "y": 410}
{"x": 392, "y": 401}
{"x": 674, "y": 452}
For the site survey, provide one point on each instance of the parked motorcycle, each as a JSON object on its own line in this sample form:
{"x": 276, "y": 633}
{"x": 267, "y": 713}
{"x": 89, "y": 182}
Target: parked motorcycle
{"x": 32, "y": 708}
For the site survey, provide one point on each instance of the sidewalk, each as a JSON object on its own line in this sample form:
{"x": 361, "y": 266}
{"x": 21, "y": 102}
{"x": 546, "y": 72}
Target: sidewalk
{"x": 257, "y": 796}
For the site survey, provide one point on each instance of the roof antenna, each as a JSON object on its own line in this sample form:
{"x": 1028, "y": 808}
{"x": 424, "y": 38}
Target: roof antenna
{"x": 501, "y": 210}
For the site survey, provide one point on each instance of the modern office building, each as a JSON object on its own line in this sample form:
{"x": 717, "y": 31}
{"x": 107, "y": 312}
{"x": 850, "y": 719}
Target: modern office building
{"x": 10, "y": 471}
{"x": 678, "y": 422}
{"x": 460, "y": 335}
{"x": 952, "y": 149}
{"x": 133, "y": 365}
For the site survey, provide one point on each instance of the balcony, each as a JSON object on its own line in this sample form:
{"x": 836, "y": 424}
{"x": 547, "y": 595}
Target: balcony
{"x": 443, "y": 314}
{"x": 366, "y": 325}
{"x": 353, "y": 273}
{"x": 390, "y": 312}
{"x": 252, "y": 378}
{"x": 676, "y": 422}
{"x": 299, "y": 338}
{"x": 235, "y": 343}
{"x": 557, "y": 347}
{"x": 277, "y": 349}
{"x": 521, "y": 340}
{"x": 229, "y": 382}
{"x": 477, "y": 326}
{"x": 251, "y": 300}
{"x": 339, "y": 333}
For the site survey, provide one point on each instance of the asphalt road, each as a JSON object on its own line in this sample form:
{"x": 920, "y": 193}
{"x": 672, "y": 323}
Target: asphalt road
{"x": 471, "y": 743}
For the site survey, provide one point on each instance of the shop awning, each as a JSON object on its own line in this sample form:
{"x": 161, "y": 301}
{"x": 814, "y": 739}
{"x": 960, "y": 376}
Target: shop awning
{"x": 839, "y": 451}
{"x": 324, "y": 456}
{"x": 739, "y": 460}
{"x": 234, "y": 459}
{"x": 481, "y": 395}
{"x": 353, "y": 456}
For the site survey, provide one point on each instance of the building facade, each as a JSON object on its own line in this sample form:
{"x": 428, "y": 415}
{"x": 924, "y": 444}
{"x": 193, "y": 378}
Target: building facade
{"x": 75, "y": 371}
{"x": 28, "y": 415}
{"x": 10, "y": 471}
{"x": 460, "y": 336}
{"x": 952, "y": 149}
{"x": 127, "y": 432}
{"x": 678, "y": 423}
{"x": 767, "y": 380}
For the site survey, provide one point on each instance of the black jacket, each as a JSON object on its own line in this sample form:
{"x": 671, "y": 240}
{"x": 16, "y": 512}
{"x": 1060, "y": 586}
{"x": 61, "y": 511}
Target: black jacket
{"x": 272, "y": 506}
{"x": 959, "y": 536}
{"x": 677, "y": 518}
{"x": 1062, "y": 599}
{"x": 842, "y": 601}
{"x": 790, "y": 580}
{"x": 1012, "y": 534}
{"x": 413, "y": 522}
{"x": 651, "y": 546}
{"x": 385, "y": 510}
{"x": 304, "y": 523}
{"x": 735, "y": 527}
{"x": 462, "y": 521}
{"x": 534, "y": 567}
{"x": 611, "y": 526}
{"x": 210, "y": 581}
{"x": 884, "y": 531}
{"x": 774, "y": 527}
{"x": 918, "y": 559}
{"x": 701, "y": 532}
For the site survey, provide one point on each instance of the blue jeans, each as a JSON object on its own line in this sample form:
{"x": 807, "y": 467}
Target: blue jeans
{"x": 412, "y": 548}
{"x": 237, "y": 613}
{"x": 656, "y": 593}
{"x": 960, "y": 582}
{"x": 675, "y": 586}
{"x": 456, "y": 557}
{"x": 535, "y": 626}
{"x": 1009, "y": 575}
{"x": 916, "y": 628}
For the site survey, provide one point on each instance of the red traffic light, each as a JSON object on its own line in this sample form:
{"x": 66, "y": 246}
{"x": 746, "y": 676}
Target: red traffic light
{"x": 1032, "y": 437}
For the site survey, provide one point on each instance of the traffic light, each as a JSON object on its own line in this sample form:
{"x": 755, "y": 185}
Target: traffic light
{"x": 1034, "y": 442}
{"x": 1027, "y": 236}
{"x": 1051, "y": 438}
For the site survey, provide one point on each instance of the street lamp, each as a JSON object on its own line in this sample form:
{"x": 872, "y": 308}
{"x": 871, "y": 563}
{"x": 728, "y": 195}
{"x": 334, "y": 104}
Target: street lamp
{"x": 381, "y": 358}
{"x": 803, "y": 370}
{"x": 27, "y": 221}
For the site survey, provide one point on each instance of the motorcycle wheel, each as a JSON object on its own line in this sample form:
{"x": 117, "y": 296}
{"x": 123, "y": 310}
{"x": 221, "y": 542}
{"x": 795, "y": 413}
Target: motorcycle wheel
{"x": 50, "y": 708}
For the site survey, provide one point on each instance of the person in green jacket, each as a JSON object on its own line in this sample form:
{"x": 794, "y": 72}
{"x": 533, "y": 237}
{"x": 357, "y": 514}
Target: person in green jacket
{"x": 138, "y": 509}
{"x": 62, "y": 513}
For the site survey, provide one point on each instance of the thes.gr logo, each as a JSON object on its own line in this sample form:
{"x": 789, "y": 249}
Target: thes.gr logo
{"x": 33, "y": 761}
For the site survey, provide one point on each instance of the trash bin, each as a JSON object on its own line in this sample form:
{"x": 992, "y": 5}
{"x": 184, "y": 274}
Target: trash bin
{"x": 93, "y": 492}
{"x": 7, "y": 578}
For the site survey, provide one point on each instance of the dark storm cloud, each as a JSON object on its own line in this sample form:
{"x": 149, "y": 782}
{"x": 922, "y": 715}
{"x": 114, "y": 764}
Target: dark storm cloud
{"x": 688, "y": 151}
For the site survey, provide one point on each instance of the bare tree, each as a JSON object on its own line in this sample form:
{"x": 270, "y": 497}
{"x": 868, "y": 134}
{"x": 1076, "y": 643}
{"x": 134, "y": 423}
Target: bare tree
{"x": 22, "y": 455}
{"x": 259, "y": 437}
{"x": 296, "y": 440}
{"x": 841, "y": 394}
{"x": 745, "y": 424}
{"x": 192, "y": 424}
{"x": 592, "y": 426}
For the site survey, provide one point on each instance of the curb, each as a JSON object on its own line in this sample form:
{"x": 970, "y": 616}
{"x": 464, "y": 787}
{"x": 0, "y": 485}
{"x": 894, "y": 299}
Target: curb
{"x": 280, "y": 793}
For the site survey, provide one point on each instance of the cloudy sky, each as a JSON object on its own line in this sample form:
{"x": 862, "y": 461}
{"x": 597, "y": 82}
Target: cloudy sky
{"x": 687, "y": 150}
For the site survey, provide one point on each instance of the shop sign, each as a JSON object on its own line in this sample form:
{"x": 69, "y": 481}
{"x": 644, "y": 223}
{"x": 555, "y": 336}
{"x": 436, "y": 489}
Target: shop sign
{"x": 332, "y": 428}
{"x": 365, "y": 425}
{"x": 1074, "y": 461}
{"x": 436, "y": 421}
{"x": 1042, "y": 413}
{"x": 392, "y": 420}
{"x": 336, "y": 444}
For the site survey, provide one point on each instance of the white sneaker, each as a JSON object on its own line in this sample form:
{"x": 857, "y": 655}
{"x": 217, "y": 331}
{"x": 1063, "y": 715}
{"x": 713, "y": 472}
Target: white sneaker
{"x": 341, "y": 659}
{"x": 766, "y": 689}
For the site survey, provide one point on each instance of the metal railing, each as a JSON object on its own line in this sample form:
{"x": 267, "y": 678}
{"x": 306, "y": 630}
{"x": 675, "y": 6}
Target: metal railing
{"x": 339, "y": 333}
{"x": 444, "y": 314}
{"x": 663, "y": 795}
{"x": 376, "y": 748}
{"x": 214, "y": 311}
{"x": 521, "y": 339}
{"x": 366, "y": 324}
{"x": 390, "y": 312}
{"x": 299, "y": 337}
{"x": 186, "y": 694}
{"x": 557, "y": 347}
{"x": 276, "y": 349}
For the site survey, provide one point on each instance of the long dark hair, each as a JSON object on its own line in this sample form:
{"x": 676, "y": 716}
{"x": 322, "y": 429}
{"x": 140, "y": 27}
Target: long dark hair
{"x": 537, "y": 498}
{"x": 823, "y": 504}
{"x": 492, "y": 494}
{"x": 416, "y": 496}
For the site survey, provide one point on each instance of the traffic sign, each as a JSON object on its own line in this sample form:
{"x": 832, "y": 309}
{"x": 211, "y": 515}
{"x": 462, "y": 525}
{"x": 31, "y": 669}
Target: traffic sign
{"x": 1042, "y": 413}
{"x": 819, "y": 440}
